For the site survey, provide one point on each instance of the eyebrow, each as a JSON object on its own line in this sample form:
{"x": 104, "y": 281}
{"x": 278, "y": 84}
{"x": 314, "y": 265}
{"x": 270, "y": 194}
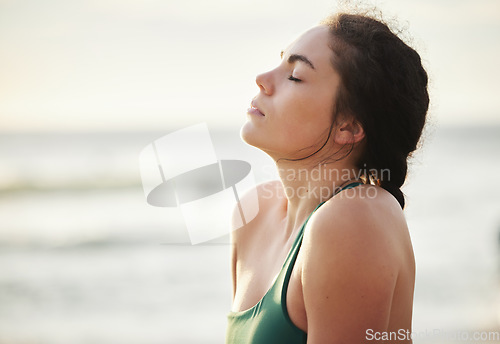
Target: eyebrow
{"x": 296, "y": 57}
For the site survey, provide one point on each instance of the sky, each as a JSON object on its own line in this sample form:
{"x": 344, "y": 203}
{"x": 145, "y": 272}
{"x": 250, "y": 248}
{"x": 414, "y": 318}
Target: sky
{"x": 153, "y": 64}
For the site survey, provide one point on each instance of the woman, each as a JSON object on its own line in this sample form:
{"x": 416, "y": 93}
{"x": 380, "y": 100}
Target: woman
{"x": 328, "y": 258}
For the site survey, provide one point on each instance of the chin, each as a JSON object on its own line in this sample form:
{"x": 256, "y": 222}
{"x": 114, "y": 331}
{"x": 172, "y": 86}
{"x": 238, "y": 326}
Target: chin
{"x": 256, "y": 137}
{"x": 249, "y": 134}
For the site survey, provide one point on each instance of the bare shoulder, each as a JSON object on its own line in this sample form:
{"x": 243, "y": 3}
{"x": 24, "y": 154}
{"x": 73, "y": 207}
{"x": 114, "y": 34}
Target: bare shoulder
{"x": 367, "y": 217}
{"x": 355, "y": 247}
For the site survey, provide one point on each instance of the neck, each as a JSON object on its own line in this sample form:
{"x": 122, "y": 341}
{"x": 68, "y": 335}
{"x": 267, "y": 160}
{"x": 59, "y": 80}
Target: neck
{"x": 306, "y": 186}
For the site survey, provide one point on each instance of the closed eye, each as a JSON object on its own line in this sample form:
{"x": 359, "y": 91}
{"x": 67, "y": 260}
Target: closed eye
{"x": 292, "y": 78}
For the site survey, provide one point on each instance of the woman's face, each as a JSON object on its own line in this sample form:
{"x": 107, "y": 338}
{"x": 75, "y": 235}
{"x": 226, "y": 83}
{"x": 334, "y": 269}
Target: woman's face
{"x": 294, "y": 107}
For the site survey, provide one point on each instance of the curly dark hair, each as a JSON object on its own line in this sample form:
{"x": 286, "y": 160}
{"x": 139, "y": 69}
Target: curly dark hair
{"x": 384, "y": 87}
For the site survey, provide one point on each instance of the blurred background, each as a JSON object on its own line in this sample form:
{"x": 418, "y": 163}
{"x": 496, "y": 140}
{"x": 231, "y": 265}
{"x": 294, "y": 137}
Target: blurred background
{"x": 85, "y": 85}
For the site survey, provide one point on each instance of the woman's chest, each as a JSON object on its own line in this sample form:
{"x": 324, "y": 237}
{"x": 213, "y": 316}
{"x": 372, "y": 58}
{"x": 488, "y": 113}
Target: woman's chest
{"x": 256, "y": 275}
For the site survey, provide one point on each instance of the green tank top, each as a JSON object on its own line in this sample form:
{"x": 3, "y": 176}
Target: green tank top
{"x": 268, "y": 321}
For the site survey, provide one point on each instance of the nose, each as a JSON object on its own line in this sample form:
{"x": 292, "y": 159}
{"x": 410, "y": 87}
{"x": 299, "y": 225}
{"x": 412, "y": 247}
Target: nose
{"x": 265, "y": 83}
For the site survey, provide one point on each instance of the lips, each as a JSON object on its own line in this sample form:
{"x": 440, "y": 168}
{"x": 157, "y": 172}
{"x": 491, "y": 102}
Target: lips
{"x": 254, "y": 110}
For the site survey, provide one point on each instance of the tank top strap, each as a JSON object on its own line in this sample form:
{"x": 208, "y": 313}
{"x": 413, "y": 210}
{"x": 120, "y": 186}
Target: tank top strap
{"x": 300, "y": 234}
{"x": 292, "y": 255}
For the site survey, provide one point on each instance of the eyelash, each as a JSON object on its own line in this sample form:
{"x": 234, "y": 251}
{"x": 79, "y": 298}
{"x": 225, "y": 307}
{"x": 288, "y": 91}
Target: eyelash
{"x": 291, "y": 78}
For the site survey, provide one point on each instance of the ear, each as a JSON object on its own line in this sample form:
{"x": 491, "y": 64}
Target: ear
{"x": 349, "y": 132}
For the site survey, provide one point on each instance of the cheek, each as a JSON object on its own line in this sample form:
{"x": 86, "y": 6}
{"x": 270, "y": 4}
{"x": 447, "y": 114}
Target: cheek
{"x": 305, "y": 128}
{"x": 310, "y": 114}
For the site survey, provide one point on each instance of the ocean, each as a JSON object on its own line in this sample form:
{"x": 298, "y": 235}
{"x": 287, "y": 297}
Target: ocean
{"x": 85, "y": 259}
